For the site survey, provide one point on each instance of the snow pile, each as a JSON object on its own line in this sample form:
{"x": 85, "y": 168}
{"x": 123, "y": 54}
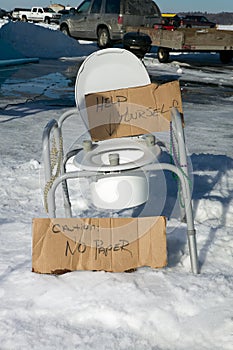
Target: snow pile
{"x": 148, "y": 309}
{"x": 40, "y": 41}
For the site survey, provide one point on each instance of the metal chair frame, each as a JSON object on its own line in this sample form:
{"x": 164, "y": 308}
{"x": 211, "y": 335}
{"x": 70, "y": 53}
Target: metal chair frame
{"x": 54, "y": 128}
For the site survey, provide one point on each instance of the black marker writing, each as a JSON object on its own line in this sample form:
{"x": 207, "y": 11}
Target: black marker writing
{"x": 101, "y": 249}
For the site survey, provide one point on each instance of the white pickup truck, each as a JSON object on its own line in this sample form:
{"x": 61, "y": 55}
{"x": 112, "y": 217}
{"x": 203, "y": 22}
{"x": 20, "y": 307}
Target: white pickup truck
{"x": 36, "y": 14}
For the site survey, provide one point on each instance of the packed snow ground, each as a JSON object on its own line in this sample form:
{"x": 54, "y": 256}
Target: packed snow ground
{"x": 168, "y": 308}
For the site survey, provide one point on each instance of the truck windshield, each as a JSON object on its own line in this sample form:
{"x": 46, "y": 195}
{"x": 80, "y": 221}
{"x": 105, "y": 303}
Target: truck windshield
{"x": 83, "y": 8}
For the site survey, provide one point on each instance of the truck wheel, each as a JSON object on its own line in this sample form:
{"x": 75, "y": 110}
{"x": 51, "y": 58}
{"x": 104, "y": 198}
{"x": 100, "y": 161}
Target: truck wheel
{"x": 65, "y": 30}
{"x": 24, "y": 19}
{"x": 163, "y": 55}
{"x": 104, "y": 39}
{"x": 225, "y": 56}
{"x": 47, "y": 20}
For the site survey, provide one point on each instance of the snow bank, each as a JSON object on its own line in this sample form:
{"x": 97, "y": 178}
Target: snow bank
{"x": 39, "y": 41}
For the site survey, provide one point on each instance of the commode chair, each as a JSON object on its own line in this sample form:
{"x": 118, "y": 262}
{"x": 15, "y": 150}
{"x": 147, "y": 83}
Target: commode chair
{"x": 117, "y": 168}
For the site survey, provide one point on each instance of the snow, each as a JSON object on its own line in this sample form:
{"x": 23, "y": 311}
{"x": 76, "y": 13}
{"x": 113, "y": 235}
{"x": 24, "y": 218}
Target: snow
{"x": 167, "y": 308}
{"x": 35, "y": 37}
{"x": 224, "y": 27}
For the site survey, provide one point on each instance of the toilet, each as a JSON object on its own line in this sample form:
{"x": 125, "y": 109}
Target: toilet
{"x": 119, "y": 181}
{"x": 116, "y": 168}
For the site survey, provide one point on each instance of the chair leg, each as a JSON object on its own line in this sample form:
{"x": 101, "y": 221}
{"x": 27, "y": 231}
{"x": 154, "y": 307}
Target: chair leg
{"x": 191, "y": 232}
{"x": 186, "y": 193}
{"x": 193, "y": 251}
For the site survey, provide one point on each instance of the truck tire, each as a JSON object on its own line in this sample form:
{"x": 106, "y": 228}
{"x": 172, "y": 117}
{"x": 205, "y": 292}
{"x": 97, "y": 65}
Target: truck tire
{"x": 226, "y": 56}
{"x": 24, "y": 19}
{"x": 65, "y": 30}
{"x": 47, "y": 20}
{"x": 104, "y": 39}
{"x": 163, "y": 55}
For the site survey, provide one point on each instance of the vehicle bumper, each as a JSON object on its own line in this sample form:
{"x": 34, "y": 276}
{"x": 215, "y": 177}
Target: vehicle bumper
{"x": 118, "y": 35}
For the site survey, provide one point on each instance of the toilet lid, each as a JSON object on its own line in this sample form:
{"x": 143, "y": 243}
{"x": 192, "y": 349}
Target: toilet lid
{"x": 108, "y": 69}
{"x": 133, "y": 154}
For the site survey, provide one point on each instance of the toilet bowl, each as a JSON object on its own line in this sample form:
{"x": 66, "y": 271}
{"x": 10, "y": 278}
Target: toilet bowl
{"x": 114, "y": 185}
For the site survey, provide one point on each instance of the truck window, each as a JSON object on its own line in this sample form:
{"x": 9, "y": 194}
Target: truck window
{"x": 84, "y": 6}
{"x": 34, "y": 9}
{"x": 40, "y": 11}
{"x": 96, "y": 6}
{"x": 149, "y": 8}
{"x": 112, "y": 6}
{"x": 203, "y": 19}
{"x": 48, "y": 9}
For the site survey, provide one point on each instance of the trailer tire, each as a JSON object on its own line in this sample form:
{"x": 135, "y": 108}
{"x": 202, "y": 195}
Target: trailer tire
{"x": 225, "y": 56}
{"x": 163, "y": 55}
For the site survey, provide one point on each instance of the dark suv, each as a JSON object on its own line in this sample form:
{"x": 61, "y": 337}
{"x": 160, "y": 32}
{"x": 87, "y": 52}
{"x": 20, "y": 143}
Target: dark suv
{"x": 106, "y": 20}
{"x": 196, "y": 21}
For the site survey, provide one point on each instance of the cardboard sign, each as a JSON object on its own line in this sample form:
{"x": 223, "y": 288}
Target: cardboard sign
{"x": 109, "y": 244}
{"x": 132, "y": 111}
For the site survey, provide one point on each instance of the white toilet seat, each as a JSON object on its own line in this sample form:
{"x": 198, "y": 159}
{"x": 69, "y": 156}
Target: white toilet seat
{"x": 134, "y": 153}
{"x": 120, "y": 64}
{"x": 114, "y": 187}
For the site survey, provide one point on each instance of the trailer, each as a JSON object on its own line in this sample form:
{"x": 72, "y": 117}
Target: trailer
{"x": 189, "y": 40}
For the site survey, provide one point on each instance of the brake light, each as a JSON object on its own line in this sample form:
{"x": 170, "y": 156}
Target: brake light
{"x": 158, "y": 26}
{"x": 120, "y": 19}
